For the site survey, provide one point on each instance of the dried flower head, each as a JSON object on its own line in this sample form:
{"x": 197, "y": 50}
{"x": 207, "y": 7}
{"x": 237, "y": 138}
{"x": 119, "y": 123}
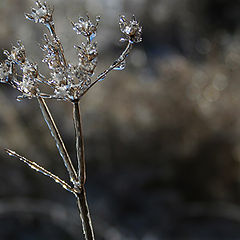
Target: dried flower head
{"x": 131, "y": 29}
{"x": 69, "y": 82}
{"x": 43, "y": 14}
{"x": 26, "y": 79}
{"x": 50, "y": 48}
{"x": 87, "y": 55}
{"x": 17, "y": 54}
{"x": 85, "y": 27}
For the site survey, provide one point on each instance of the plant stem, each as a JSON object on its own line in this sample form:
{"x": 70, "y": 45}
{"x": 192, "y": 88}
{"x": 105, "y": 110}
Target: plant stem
{"x": 85, "y": 214}
{"x": 79, "y": 143}
{"x": 52, "y": 31}
{"x": 42, "y": 170}
{"x": 58, "y": 139}
{"x": 79, "y": 180}
{"x": 81, "y": 196}
{"x": 122, "y": 58}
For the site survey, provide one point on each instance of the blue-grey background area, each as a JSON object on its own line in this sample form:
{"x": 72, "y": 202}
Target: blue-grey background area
{"x": 162, "y": 136}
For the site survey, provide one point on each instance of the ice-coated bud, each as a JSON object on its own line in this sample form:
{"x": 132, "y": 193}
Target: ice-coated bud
{"x": 43, "y": 14}
{"x": 85, "y": 27}
{"x": 17, "y": 54}
{"x": 131, "y": 29}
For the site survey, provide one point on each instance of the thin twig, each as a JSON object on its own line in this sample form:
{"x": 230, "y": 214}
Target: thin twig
{"x": 58, "y": 139}
{"x": 52, "y": 31}
{"x": 79, "y": 143}
{"x": 115, "y": 64}
{"x": 42, "y": 170}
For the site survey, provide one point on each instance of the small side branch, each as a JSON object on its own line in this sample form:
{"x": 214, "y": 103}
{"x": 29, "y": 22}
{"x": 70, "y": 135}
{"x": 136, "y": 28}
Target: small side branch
{"x": 42, "y": 170}
{"x": 52, "y": 31}
{"x": 79, "y": 143}
{"x": 58, "y": 140}
{"x": 118, "y": 62}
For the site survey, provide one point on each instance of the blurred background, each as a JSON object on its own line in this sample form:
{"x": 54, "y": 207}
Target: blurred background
{"x": 162, "y": 136}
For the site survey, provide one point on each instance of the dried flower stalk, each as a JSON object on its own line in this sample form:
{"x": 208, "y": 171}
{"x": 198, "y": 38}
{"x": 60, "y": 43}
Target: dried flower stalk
{"x": 68, "y": 83}
{"x": 59, "y": 142}
{"x": 42, "y": 170}
{"x": 79, "y": 143}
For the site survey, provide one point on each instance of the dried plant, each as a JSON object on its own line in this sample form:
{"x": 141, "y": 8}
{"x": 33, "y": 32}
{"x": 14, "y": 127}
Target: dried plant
{"x": 67, "y": 82}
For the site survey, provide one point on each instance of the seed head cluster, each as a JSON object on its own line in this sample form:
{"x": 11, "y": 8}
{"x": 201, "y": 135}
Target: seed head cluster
{"x": 68, "y": 82}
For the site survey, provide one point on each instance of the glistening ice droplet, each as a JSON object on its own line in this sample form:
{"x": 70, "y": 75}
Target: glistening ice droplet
{"x": 121, "y": 66}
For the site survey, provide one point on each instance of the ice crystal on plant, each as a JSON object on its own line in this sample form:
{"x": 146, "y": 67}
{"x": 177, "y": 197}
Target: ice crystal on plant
{"x": 85, "y": 27}
{"x": 87, "y": 55}
{"x": 121, "y": 66}
{"x": 61, "y": 91}
{"x": 18, "y": 54}
{"x": 50, "y": 48}
{"x": 43, "y": 14}
{"x": 27, "y": 85}
{"x": 69, "y": 82}
{"x": 5, "y": 71}
{"x": 131, "y": 29}
{"x": 40, "y": 169}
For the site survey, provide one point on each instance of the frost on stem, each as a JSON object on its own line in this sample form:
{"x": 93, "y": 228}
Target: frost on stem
{"x": 42, "y": 170}
{"x": 50, "y": 49}
{"x": 69, "y": 82}
{"x": 87, "y": 56}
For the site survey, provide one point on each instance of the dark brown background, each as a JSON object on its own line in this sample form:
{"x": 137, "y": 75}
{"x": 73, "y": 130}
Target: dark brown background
{"x": 162, "y": 137}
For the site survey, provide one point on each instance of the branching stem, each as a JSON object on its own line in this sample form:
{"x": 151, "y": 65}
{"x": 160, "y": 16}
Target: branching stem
{"x": 115, "y": 64}
{"x": 52, "y": 31}
{"x": 42, "y": 170}
{"x": 81, "y": 196}
{"x": 58, "y": 140}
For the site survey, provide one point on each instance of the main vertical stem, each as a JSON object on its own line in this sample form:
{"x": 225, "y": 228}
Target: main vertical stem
{"x": 81, "y": 196}
{"x": 85, "y": 215}
{"x": 79, "y": 143}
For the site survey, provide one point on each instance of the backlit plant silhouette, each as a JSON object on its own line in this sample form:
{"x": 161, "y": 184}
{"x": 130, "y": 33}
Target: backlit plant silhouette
{"x": 67, "y": 82}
